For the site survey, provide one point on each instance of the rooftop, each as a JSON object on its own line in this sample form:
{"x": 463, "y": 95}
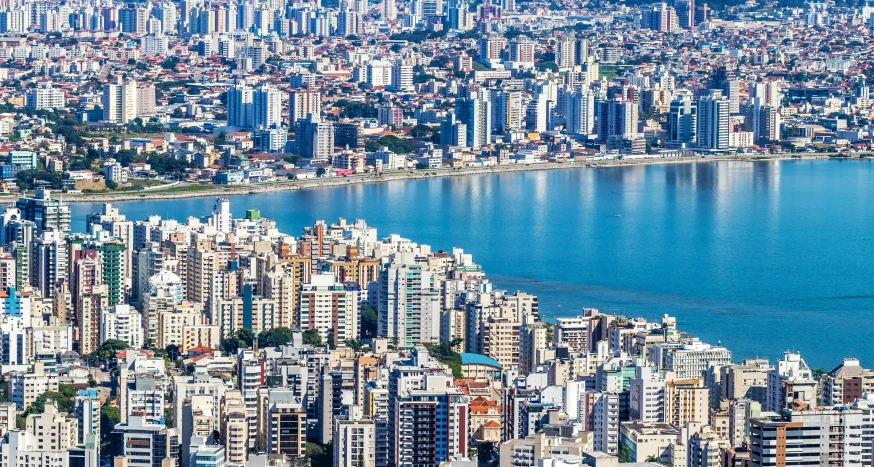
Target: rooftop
{"x": 478, "y": 359}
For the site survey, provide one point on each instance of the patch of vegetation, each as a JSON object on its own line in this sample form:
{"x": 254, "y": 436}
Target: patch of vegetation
{"x": 312, "y": 337}
{"x": 242, "y": 339}
{"x": 369, "y": 321}
{"x": 356, "y": 109}
{"x": 274, "y": 337}
{"x": 393, "y": 143}
{"x": 444, "y": 353}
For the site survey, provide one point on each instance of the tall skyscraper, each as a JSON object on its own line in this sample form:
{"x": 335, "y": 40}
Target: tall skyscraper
{"x": 401, "y": 78}
{"x": 428, "y": 422}
{"x": 329, "y": 308}
{"x": 713, "y": 121}
{"x": 453, "y": 132}
{"x": 659, "y": 17}
{"x": 682, "y": 124}
{"x": 315, "y": 138}
{"x": 617, "y": 117}
{"x": 132, "y": 19}
{"x": 240, "y": 103}
{"x": 388, "y": 11}
{"x": 120, "y": 101}
{"x": 476, "y": 115}
{"x": 579, "y": 111}
{"x": 571, "y": 51}
{"x": 507, "y": 112}
{"x": 407, "y": 305}
{"x": 258, "y": 108}
{"x": 267, "y": 107}
{"x": 685, "y": 13}
{"x": 730, "y": 87}
{"x": 763, "y": 120}
{"x": 45, "y": 212}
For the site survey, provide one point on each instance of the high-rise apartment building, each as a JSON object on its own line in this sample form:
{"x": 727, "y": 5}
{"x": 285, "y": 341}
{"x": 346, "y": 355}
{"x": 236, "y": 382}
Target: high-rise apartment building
{"x": 431, "y": 422}
{"x": 119, "y": 101}
{"x": 571, "y": 51}
{"x": 315, "y": 138}
{"x": 303, "y": 102}
{"x": 44, "y": 96}
{"x": 353, "y": 440}
{"x": 763, "y": 120}
{"x": 659, "y": 17}
{"x": 254, "y": 108}
{"x": 45, "y": 212}
{"x": 408, "y": 305}
{"x": 617, "y": 117}
{"x": 144, "y": 443}
{"x": 791, "y": 385}
{"x": 476, "y": 114}
{"x": 329, "y": 308}
{"x": 507, "y": 112}
{"x": 647, "y": 389}
{"x": 682, "y": 124}
{"x": 713, "y": 121}
{"x": 579, "y": 111}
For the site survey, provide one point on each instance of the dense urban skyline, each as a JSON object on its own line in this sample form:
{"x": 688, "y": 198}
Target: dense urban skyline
{"x": 220, "y": 341}
{"x": 233, "y": 343}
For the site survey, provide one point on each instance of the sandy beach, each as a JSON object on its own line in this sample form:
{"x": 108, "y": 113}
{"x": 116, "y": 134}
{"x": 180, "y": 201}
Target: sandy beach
{"x": 288, "y": 185}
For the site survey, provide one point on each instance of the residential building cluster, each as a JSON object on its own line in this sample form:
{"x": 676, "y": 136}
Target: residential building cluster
{"x": 223, "y": 341}
{"x": 245, "y": 92}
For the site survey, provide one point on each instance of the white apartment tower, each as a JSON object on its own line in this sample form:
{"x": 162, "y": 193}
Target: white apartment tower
{"x": 579, "y": 110}
{"x": 120, "y": 102}
{"x": 647, "y": 394}
{"x": 791, "y": 385}
{"x": 408, "y": 305}
{"x": 124, "y": 323}
{"x": 303, "y": 102}
{"x": 476, "y": 114}
{"x": 713, "y": 121}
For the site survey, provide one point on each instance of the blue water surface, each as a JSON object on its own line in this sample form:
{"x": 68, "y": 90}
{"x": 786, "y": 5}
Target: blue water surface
{"x": 760, "y": 256}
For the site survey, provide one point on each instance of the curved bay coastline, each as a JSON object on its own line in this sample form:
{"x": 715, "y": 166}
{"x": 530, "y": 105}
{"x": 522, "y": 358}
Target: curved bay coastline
{"x": 735, "y": 250}
{"x": 290, "y": 185}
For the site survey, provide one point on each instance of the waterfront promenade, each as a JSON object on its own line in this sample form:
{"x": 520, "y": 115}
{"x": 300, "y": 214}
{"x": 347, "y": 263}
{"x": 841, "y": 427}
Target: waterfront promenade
{"x": 190, "y": 190}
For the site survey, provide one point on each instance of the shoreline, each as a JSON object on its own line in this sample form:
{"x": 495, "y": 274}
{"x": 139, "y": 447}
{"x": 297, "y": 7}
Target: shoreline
{"x": 292, "y": 185}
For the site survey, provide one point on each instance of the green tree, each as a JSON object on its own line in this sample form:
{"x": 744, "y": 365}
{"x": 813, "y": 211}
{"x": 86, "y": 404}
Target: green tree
{"x": 231, "y": 345}
{"x": 547, "y": 66}
{"x": 444, "y": 353}
{"x": 172, "y": 351}
{"x": 246, "y": 336}
{"x": 108, "y": 349}
{"x": 170, "y": 63}
{"x": 66, "y": 390}
{"x": 484, "y": 452}
{"x": 369, "y": 321}
{"x": 397, "y": 145}
{"x": 355, "y": 344}
{"x": 624, "y": 453}
{"x": 321, "y": 171}
{"x": 109, "y": 417}
{"x": 320, "y": 455}
{"x": 274, "y": 337}
{"x": 312, "y": 337}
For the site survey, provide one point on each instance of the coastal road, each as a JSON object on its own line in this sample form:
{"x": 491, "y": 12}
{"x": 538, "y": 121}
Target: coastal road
{"x": 288, "y": 185}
